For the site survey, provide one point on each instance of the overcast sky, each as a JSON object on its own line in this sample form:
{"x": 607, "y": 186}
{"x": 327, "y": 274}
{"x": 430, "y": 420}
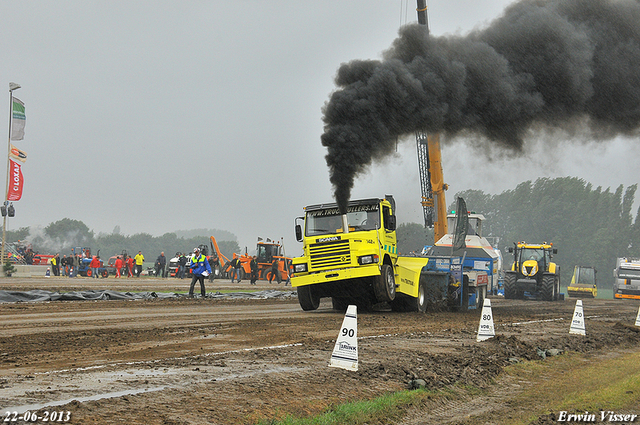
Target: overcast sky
{"x": 159, "y": 115}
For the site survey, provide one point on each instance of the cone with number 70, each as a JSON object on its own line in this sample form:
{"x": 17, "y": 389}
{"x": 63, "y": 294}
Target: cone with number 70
{"x": 577, "y": 322}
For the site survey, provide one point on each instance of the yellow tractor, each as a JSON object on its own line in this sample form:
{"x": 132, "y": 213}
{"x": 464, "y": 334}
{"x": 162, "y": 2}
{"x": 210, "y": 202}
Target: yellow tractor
{"x": 583, "y": 283}
{"x": 533, "y": 272}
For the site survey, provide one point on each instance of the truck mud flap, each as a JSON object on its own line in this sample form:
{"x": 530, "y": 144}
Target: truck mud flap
{"x": 408, "y": 274}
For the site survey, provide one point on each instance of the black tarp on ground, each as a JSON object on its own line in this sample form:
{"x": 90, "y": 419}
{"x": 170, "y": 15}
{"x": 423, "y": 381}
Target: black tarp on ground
{"x": 36, "y": 295}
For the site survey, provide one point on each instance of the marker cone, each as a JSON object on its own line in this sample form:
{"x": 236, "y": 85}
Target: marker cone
{"x": 345, "y": 352}
{"x": 577, "y": 323}
{"x": 486, "y": 329}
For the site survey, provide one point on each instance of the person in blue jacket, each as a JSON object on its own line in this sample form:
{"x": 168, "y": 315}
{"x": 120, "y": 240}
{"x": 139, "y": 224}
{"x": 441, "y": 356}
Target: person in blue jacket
{"x": 201, "y": 269}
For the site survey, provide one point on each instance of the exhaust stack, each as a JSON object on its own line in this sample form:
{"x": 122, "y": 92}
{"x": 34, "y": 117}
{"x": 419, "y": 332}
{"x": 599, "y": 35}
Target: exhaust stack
{"x": 345, "y": 224}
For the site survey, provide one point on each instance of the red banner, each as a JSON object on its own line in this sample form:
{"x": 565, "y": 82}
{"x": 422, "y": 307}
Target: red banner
{"x": 16, "y": 181}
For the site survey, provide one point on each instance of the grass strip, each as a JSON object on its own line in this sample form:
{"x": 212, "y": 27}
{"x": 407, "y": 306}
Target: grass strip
{"x": 576, "y": 384}
{"x": 385, "y": 409}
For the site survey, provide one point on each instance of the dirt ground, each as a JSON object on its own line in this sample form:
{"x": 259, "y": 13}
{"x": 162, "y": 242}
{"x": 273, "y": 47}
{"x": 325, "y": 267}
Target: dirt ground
{"x": 236, "y": 361}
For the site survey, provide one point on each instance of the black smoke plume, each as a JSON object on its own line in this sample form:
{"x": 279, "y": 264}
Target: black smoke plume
{"x": 542, "y": 63}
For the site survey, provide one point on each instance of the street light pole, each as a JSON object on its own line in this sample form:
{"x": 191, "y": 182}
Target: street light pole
{"x": 12, "y": 87}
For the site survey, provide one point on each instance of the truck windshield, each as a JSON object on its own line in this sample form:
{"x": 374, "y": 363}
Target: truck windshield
{"x": 329, "y": 221}
{"x": 624, "y": 273}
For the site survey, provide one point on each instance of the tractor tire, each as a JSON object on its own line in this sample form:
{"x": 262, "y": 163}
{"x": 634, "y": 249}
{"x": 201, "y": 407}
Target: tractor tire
{"x": 104, "y": 273}
{"x": 339, "y": 304}
{"x": 307, "y": 298}
{"x": 88, "y": 273}
{"x": 548, "y": 291}
{"x": 384, "y": 286}
{"x": 418, "y": 304}
{"x": 265, "y": 273}
{"x": 510, "y": 292}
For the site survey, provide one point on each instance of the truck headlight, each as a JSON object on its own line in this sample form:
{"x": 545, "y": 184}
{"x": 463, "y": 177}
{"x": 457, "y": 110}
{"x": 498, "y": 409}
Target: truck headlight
{"x": 300, "y": 268}
{"x": 368, "y": 259}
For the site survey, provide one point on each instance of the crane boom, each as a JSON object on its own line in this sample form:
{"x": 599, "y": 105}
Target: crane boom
{"x": 430, "y": 167}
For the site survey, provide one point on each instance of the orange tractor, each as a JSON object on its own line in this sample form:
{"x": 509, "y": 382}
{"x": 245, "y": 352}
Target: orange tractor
{"x": 266, "y": 252}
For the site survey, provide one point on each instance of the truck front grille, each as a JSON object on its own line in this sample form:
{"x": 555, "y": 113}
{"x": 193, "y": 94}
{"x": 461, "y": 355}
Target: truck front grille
{"x": 330, "y": 254}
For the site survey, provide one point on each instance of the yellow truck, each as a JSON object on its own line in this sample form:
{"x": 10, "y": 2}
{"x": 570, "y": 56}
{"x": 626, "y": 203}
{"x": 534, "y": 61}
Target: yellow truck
{"x": 353, "y": 259}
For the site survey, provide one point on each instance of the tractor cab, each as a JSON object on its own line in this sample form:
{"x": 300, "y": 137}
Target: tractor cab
{"x": 266, "y": 252}
{"x": 529, "y": 259}
{"x": 475, "y": 224}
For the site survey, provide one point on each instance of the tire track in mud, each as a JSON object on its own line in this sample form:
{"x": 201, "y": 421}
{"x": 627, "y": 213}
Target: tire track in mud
{"x": 212, "y": 364}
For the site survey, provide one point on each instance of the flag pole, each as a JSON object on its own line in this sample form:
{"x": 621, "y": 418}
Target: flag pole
{"x": 12, "y": 87}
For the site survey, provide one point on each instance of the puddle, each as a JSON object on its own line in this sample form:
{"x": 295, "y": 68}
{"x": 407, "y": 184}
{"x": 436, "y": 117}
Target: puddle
{"x": 33, "y": 407}
{"x": 47, "y": 391}
{"x": 59, "y": 387}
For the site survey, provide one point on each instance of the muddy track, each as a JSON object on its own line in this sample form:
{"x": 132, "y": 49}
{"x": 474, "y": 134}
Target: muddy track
{"x": 193, "y": 361}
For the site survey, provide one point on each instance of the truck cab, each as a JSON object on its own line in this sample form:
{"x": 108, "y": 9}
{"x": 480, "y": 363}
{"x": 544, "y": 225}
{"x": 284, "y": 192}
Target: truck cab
{"x": 626, "y": 278}
{"x": 348, "y": 256}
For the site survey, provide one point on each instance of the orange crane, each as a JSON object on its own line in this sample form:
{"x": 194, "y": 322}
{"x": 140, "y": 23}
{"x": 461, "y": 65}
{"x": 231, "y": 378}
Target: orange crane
{"x": 432, "y": 185}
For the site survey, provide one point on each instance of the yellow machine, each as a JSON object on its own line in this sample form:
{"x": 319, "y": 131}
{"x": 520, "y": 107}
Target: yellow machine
{"x": 583, "y": 283}
{"x": 533, "y": 272}
{"x": 353, "y": 258}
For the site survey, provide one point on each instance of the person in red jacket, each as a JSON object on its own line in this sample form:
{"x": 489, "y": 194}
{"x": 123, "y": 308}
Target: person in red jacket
{"x": 94, "y": 265}
{"x": 118, "y": 266}
{"x": 129, "y": 266}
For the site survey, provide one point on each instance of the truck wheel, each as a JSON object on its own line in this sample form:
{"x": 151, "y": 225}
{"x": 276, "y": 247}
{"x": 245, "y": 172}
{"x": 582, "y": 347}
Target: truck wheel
{"x": 549, "y": 287}
{"x": 307, "y": 299}
{"x": 510, "y": 292}
{"x": 384, "y": 286}
{"x": 418, "y": 304}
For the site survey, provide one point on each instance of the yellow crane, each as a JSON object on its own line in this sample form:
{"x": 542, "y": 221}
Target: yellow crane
{"x": 432, "y": 185}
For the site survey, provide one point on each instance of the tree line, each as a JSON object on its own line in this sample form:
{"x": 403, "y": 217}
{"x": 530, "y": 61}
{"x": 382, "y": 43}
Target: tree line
{"x": 590, "y": 226}
{"x": 62, "y": 235}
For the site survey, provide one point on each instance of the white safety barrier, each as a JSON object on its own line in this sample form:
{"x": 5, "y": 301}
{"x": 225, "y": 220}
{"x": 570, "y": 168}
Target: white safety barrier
{"x": 345, "y": 352}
